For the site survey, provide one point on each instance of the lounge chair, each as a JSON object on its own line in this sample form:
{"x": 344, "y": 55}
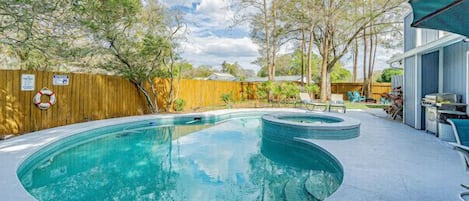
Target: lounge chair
{"x": 461, "y": 132}
{"x": 306, "y": 100}
{"x": 337, "y": 100}
{"x": 358, "y": 97}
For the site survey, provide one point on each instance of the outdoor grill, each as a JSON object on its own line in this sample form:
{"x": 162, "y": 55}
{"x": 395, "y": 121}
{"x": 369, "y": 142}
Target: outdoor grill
{"x": 439, "y": 107}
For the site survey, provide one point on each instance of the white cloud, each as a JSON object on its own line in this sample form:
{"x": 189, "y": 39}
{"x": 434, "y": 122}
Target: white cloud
{"x": 214, "y": 50}
{"x": 211, "y": 38}
{"x": 217, "y": 10}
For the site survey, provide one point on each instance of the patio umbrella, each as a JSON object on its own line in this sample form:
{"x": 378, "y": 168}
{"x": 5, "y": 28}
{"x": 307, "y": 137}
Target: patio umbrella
{"x": 447, "y": 15}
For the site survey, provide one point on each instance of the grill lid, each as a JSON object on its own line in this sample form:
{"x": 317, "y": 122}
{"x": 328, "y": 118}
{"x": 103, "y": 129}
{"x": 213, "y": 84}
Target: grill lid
{"x": 441, "y": 98}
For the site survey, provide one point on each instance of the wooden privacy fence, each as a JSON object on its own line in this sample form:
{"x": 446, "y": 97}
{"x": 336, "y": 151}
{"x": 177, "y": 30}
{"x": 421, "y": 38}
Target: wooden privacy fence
{"x": 201, "y": 93}
{"x": 85, "y": 97}
{"x": 378, "y": 88}
{"x": 92, "y": 97}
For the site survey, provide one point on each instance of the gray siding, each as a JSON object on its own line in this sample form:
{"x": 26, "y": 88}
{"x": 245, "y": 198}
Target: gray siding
{"x": 429, "y": 35}
{"x": 409, "y": 91}
{"x": 397, "y": 81}
{"x": 410, "y": 34}
{"x": 454, "y": 69}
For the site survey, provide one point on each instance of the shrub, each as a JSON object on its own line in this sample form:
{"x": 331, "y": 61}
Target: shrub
{"x": 387, "y": 74}
{"x": 179, "y": 104}
{"x": 250, "y": 92}
{"x": 291, "y": 90}
{"x": 227, "y": 98}
{"x": 278, "y": 91}
{"x": 264, "y": 90}
{"x": 313, "y": 89}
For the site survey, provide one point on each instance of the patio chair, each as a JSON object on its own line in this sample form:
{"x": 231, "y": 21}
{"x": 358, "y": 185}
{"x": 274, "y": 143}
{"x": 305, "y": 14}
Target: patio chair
{"x": 350, "y": 96}
{"x": 337, "y": 100}
{"x": 358, "y": 97}
{"x": 306, "y": 100}
{"x": 461, "y": 133}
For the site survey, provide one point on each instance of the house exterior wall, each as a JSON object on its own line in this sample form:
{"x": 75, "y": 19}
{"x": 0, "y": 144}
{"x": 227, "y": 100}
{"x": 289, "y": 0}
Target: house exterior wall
{"x": 409, "y": 91}
{"x": 434, "y": 62}
{"x": 410, "y": 33}
{"x": 429, "y": 35}
{"x": 454, "y": 71}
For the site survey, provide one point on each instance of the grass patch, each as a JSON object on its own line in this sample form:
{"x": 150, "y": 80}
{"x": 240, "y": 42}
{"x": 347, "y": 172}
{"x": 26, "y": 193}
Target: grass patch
{"x": 265, "y": 104}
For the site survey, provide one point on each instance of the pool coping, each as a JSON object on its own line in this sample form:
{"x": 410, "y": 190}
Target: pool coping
{"x": 14, "y": 151}
{"x": 422, "y": 159}
{"x": 346, "y": 122}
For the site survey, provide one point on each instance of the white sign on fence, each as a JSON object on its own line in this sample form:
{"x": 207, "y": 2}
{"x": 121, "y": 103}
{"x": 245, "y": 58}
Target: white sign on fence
{"x": 60, "y": 80}
{"x": 27, "y": 82}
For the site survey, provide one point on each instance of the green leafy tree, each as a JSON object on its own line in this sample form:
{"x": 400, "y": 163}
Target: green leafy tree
{"x": 200, "y": 72}
{"x": 132, "y": 40}
{"x": 183, "y": 69}
{"x": 333, "y": 26}
{"x": 236, "y": 70}
{"x": 291, "y": 64}
{"x": 37, "y": 33}
{"x": 340, "y": 74}
{"x": 387, "y": 74}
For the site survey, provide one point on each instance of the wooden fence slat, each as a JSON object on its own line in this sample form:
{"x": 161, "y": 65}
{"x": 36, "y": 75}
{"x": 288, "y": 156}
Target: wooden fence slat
{"x": 3, "y": 113}
{"x": 17, "y": 110}
{"x": 8, "y": 88}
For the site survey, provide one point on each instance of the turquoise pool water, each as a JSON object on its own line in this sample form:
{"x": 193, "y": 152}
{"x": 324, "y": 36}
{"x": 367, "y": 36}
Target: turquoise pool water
{"x": 227, "y": 161}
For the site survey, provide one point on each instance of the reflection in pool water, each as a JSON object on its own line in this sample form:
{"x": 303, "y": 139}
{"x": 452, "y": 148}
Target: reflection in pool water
{"x": 229, "y": 161}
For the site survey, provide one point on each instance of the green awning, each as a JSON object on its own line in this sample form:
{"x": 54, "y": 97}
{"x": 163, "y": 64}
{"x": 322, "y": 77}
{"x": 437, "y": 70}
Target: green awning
{"x": 447, "y": 15}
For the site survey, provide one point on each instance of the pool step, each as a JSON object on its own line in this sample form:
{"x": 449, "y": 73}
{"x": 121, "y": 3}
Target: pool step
{"x": 294, "y": 190}
{"x": 320, "y": 184}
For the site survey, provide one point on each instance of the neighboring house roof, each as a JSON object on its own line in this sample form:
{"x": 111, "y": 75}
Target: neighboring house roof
{"x": 221, "y": 76}
{"x": 293, "y": 78}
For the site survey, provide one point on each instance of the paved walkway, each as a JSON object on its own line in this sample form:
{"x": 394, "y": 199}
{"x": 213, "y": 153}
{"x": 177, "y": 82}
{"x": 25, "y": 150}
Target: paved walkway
{"x": 392, "y": 161}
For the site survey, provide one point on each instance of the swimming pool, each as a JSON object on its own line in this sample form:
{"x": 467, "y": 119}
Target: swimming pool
{"x": 194, "y": 159}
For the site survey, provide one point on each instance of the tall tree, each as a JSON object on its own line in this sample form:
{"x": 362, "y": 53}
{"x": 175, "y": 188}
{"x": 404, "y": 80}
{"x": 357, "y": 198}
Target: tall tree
{"x": 378, "y": 33}
{"x": 268, "y": 30}
{"x": 337, "y": 29}
{"x": 301, "y": 15}
{"x": 132, "y": 40}
{"x": 37, "y": 32}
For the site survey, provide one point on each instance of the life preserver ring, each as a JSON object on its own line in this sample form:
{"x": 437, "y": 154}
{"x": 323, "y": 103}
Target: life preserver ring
{"x": 46, "y": 105}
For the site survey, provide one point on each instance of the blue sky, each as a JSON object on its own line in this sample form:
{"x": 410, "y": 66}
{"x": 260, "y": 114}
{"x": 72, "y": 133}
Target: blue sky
{"x": 212, "y": 39}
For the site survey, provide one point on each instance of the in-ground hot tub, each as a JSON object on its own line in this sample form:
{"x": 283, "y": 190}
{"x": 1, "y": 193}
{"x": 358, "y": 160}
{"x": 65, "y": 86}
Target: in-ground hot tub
{"x": 309, "y": 126}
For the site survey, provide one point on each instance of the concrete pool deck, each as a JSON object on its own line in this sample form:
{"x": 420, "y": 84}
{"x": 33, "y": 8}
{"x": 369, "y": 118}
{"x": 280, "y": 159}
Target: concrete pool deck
{"x": 388, "y": 161}
{"x": 392, "y": 161}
